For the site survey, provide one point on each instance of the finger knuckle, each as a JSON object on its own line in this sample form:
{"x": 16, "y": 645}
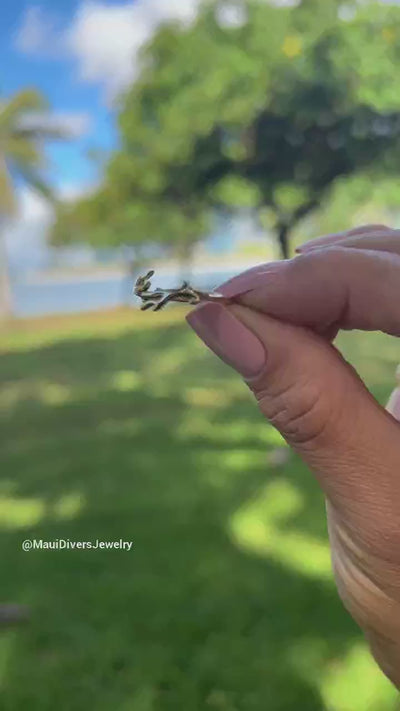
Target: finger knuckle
{"x": 298, "y": 411}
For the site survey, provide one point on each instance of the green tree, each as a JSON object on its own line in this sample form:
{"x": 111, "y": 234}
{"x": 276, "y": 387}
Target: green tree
{"x": 260, "y": 106}
{"x": 131, "y": 209}
{"x": 23, "y": 129}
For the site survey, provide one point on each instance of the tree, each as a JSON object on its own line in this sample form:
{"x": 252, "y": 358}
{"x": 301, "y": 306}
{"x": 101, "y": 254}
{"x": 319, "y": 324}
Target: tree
{"x": 23, "y": 128}
{"x": 132, "y": 209}
{"x": 143, "y": 225}
{"x": 263, "y": 106}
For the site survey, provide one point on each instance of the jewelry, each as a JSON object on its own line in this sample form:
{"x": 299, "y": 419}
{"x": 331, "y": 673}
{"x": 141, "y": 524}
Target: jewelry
{"x": 186, "y": 294}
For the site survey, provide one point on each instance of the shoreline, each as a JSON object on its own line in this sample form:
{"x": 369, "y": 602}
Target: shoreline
{"x": 203, "y": 267}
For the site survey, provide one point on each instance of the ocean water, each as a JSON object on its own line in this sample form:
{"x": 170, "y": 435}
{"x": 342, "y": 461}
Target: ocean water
{"x": 32, "y": 298}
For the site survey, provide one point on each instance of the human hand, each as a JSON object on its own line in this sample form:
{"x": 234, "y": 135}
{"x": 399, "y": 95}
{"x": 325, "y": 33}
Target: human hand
{"x": 278, "y": 336}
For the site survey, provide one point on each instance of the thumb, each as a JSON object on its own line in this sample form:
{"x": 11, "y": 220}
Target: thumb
{"x": 316, "y": 400}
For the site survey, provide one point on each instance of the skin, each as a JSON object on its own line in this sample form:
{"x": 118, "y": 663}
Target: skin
{"x": 278, "y": 334}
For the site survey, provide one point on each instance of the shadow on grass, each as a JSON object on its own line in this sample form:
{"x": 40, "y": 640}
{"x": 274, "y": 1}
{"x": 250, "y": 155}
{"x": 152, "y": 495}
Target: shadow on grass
{"x": 188, "y": 619}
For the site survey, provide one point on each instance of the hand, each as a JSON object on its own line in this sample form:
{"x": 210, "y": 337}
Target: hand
{"x": 278, "y": 336}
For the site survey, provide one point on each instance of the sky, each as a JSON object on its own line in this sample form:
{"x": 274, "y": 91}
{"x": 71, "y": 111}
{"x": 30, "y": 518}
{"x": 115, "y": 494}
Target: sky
{"x": 81, "y": 54}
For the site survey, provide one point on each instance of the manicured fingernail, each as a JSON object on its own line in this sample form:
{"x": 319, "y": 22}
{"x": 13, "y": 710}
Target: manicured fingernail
{"x": 393, "y": 405}
{"x": 312, "y": 247}
{"x": 228, "y": 338}
{"x": 324, "y": 241}
{"x": 305, "y": 247}
{"x": 250, "y": 279}
{"x": 309, "y": 246}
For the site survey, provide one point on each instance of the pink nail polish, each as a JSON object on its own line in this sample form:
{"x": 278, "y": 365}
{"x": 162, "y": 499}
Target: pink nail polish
{"x": 249, "y": 280}
{"x": 228, "y": 338}
{"x": 393, "y": 405}
{"x": 313, "y": 247}
{"x": 324, "y": 241}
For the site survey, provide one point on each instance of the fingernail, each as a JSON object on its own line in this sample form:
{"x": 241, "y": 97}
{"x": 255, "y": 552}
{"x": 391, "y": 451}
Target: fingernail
{"x": 309, "y": 246}
{"x": 250, "y": 279}
{"x": 393, "y": 405}
{"x": 324, "y": 241}
{"x": 312, "y": 247}
{"x": 229, "y": 339}
{"x": 305, "y": 247}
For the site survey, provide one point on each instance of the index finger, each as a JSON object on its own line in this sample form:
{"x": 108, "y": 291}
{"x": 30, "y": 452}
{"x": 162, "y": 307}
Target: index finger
{"x": 333, "y": 286}
{"x": 336, "y": 238}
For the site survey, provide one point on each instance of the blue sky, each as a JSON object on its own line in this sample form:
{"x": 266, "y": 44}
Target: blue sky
{"x": 81, "y": 54}
{"x": 57, "y": 78}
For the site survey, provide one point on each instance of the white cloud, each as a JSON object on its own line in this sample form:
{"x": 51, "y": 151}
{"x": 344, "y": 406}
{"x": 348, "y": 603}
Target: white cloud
{"x": 285, "y": 3}
{"x": 347, "y": 12}
{"x": 72, "y": 125}
{"x": 105, "y": 40}
{"x": 231, "y": 15}
{"x": 32, "y": 206}
{"x": 34, "y": 33}
{"x": 26, "y": 235}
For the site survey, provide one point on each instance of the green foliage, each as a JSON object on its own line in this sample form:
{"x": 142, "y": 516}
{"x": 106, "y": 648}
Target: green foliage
{"x": 234, "y": 191}
{"x": 19, "y": 150}
{"x": 24, "y": 127}
{"x": 268, "y": 113}
{"x": 23, "y": 132}
{"x": 289, "y": 197}
{"x": 370, "y": 46}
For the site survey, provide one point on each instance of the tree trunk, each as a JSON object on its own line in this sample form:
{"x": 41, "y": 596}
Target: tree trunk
{"x": 134, "y": 269}
{"x": 186, "y": 261}
{"x": 283, "y": 238}
{"x": 6, "y": 300}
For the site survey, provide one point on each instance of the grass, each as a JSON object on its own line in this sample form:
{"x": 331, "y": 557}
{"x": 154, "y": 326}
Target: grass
{"x": 122, "y": 426}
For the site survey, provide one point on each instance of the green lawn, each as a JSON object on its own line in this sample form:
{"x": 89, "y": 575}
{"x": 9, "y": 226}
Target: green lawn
{"x": 123, "y": 426}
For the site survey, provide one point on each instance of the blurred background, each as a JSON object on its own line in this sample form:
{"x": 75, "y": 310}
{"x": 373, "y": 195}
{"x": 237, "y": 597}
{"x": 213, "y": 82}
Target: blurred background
{"x": 197, "y": 139}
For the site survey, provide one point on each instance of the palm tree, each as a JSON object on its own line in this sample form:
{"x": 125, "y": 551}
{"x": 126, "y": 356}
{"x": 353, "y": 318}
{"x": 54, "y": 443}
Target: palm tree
{"x": 23, "y": 129}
